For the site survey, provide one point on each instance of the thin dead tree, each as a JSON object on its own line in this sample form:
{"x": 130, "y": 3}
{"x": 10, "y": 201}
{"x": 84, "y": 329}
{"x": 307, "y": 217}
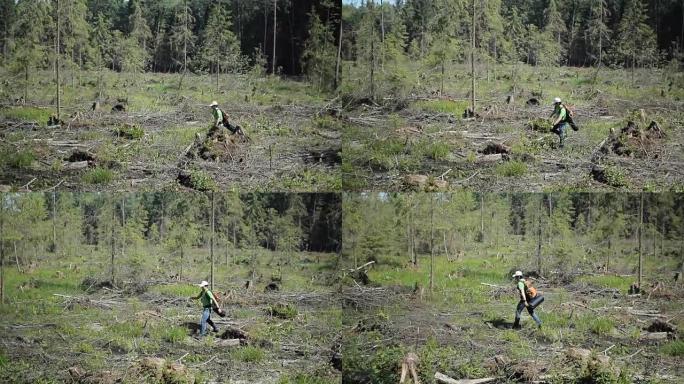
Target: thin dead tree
{"x": 54, "y": 223}
{"x": 539, "y": 235}
{"x": 59, "y": 105}
{"x": 472, "y": 61}
{"x": 339, "y": 56}
{"x": 275, "y": 24}
{"x": 640, "y": 233}
{"x": 211, "y": 241}
{"x": 432, "y": 244}
{"x": 2, "y": 249}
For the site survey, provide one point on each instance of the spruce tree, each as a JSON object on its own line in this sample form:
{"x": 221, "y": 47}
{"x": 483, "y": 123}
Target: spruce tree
{"x": 635, "y": 42}
{"x": 219, "y": 47}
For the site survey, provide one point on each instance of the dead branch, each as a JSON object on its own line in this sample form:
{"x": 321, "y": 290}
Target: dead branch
{"x": 442, "y": 378}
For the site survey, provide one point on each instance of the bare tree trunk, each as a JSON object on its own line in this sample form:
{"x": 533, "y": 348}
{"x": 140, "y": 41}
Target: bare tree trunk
{"x": 482, "y": 236}
{"x": 641, "y": 230}
{"x": 113, "y": 244}
{"x": 211, "y": 240}
{"x": 372, "y": 69}
{"x": 123, "y": 228}
{"x": 161, "y": 222}
{"x": 59, "y": 104}
{"x": 2, "y": 249}
{"x": 382, "y": 22}
{"x": 339, "y": 56}
{"x": 26, "y": 82}
{"x": 54, "y": 223}
{"x": 275, "y": 24}
{"x": 472, "y": 61}
{"x": 432, "y": 244}
{"x": 539, "y": 235}
{"x": 180, "y": 273}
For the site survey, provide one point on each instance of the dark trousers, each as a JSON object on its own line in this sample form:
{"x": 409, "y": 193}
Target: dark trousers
{"x": 530, "y": 309}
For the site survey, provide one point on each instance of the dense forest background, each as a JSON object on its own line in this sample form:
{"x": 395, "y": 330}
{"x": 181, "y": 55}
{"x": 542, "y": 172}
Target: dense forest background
{"x": 170, "y": 35}
{"x": 567, "y": 233}
{"x": 126, "y": 226}
{"x": 575, "y": 32}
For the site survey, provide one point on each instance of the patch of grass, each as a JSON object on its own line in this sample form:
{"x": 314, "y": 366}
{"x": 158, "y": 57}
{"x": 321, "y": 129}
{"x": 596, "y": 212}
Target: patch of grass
{"x": 174, "y": 334}
{"x": 443, "y": 106}
{"x": 38, "y": 115}
{"x": 437, "y": 150}
{"x": 673, "y": 348}
{"x": 310, "y": 180}
{"x": 130, "y": 131}
{"x": 511, "y": 169}
{"x": 283, "y": 311}
{"x": 180, "y": 290}
{"x": 608, "y": 281}
{"x": 98, "y": 175}
{"x": 601, "y": 326}
{"x": 249, "y": 354}
{"x": 304, "y": 378}
{"x": 21, "y": 159}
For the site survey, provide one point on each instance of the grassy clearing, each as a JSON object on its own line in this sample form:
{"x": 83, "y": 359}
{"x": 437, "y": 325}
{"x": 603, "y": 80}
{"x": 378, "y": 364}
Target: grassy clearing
{"x": 38, "y": 116}
{"x": 279, "y": 115}
{"x": 116, "y": 336}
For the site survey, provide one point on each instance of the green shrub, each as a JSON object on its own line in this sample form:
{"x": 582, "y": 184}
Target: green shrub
{"x": 511, "y": 169}
{"x": 283, "y": 311}
{"x": 673, "y": 348}
{"x": 200, "y": 181}
{"x": 98, "y": 175}
{"x": 615, "y": 177}
{"x": 249, "y": 354}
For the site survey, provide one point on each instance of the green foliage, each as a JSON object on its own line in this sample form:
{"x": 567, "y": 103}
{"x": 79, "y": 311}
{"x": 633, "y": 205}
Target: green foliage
{"x": 512, "y": 168}
{"x": 39, "y": 116}
{"x": 98, "y": 175}
{"x": 21, "y": 159}
{"x": 202, "y": 181}
{"x": 248, "y": 354}
{"x": 175, "y": 334}
{"x": 674, "y": 348}
{"x": 601, "y": 326}
{"x": 283, "y": 311}
{"x": 615, "y": 177}
{"x": 320, "y": 53}
{"x": 130, "y": 131}
{"x": 443, "y": 106}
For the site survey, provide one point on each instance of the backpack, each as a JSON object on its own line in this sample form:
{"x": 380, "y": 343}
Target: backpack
{"x": 225, "y": 118}
{"x": 530, "y": 291}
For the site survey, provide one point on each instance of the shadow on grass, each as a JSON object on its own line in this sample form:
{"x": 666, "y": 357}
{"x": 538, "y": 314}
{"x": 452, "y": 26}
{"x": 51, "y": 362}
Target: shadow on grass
{"x": 500, "y": 323}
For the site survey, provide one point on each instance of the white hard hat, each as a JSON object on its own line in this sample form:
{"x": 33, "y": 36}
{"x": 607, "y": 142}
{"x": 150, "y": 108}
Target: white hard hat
{"x": 204, "y": 284}
{"x": 215, "y": 103}
{"x": 517, "y": 273}
{"x": 556, "y": 100}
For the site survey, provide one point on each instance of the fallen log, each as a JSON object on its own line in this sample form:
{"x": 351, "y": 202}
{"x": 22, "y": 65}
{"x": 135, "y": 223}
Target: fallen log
{"x": 489, "y": 158}
{"x": 228, "y": 342}
{"x": 442, "y": 378}
{"x": 654, "y": 336}
{"x": 76, "y": 165}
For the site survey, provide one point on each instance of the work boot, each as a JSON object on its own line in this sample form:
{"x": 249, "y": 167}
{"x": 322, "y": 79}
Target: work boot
{"x": 516, "y": 324}
{"x": 216, "y": 329}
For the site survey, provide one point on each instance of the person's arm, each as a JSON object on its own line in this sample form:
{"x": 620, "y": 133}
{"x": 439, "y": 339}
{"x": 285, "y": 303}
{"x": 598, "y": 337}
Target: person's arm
{"x": 561, "y": 115}
{"x": 196, "y": 297}
{"x": 522, "y": 293}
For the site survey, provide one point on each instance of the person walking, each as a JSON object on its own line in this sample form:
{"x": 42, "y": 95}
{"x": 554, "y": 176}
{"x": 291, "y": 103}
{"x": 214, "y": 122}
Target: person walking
{"x": 529, "y": 298}
{"x": 207, "y": 298}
